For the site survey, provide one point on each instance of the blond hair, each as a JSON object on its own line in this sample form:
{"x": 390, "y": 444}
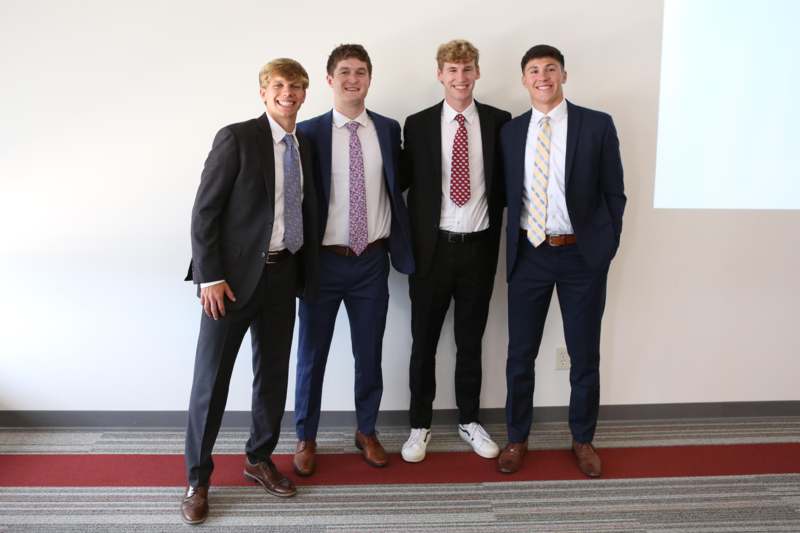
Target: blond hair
{"x": 456, "y": 51}
{"x": 283, "y": 66}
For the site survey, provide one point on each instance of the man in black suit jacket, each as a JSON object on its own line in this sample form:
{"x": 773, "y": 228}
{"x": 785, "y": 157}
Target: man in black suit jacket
{"x": 563, "y": 177}
{"x": 451, "y": 167}
{"x": 254, "y": 246}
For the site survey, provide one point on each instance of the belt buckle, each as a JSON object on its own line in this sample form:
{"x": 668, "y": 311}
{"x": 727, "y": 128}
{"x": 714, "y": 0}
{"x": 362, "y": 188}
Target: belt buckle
{"x": 453, "y": 237}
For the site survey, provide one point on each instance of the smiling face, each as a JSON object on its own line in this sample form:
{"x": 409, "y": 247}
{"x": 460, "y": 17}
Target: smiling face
{"x": 458, "y": 80}
{"x": 283, "y": 99}
{"x": 544, "y": 77}
{"x": 350, "y": 82}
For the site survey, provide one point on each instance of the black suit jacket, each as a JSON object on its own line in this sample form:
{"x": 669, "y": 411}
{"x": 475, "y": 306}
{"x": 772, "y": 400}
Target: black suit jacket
{"x": 234, "y": 210}
{"x": 593, "y": 175}
{"x": 422, "y": 176}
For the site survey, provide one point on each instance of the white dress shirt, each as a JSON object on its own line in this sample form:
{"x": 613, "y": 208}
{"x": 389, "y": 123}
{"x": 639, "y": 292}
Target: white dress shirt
{"x": 379, "y": 213}
{"x": 558, "y": 222}
{"x": 473, "y": 215}
{"x": 278, "y": 148}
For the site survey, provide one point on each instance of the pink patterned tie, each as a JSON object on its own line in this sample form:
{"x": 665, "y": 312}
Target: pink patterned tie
{"x": 358, "y": 195}
{"x": 459, "y": 169}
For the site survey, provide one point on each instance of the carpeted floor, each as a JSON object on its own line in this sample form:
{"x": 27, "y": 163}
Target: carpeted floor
{"x": 733, "y": 502}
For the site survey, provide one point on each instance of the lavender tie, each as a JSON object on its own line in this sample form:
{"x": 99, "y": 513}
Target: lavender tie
{"x": 358, "y": 195}
{"x": 292, "y": 214}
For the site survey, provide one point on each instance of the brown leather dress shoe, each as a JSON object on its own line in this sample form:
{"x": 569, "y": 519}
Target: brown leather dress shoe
{"x": 304, "y": 459}
{"x": 194, "y": 507}
{"x": 512, "y": 457}
{"x": 588, "y": 460}
{"x": 265, "y": 473}
{"x": 373, "y": 451}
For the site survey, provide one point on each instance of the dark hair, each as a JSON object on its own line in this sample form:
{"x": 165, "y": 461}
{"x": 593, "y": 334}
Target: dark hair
{"x": 346, "y": 51}
{"x": 542, "y": 50}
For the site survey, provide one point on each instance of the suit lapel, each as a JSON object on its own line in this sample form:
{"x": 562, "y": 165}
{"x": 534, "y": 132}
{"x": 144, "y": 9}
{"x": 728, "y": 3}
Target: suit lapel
{"x": 573, "y": 130}
{"x": 522, "y": 125}
{"x": 325, "y": 136}
{"x": 487, "y": 144}
{"x": 433, "y": 128}
{"x": 266, "y": 158}
{"x": 306, "y": 162}
{"x": 386, "y": 149}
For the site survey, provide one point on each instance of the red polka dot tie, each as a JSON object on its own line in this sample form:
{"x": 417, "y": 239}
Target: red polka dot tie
{"x": 459, "y": 166}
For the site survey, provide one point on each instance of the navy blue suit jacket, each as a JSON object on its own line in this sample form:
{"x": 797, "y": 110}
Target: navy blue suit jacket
{"x": 318, "y": 129}
{"x": 593, "y": 174}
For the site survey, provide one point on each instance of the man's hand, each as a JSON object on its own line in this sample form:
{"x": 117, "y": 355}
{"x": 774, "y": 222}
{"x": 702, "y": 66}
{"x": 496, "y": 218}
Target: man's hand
{"x": 213, "y": 299}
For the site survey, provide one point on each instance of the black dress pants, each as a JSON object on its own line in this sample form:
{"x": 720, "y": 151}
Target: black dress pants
{"x": 464, "y": 273}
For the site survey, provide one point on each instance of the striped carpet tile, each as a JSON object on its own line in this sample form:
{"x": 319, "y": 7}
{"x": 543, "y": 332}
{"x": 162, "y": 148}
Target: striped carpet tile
{"x": 731, "y": 503}
{"x": 545, "y": 436}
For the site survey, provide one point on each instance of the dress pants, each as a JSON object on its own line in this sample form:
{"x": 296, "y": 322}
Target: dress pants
{"x": 581, "y": 295}
{"x": 361, "y": 282}
{"x": 464, "y": 273}
{"x": 270, "y": 315}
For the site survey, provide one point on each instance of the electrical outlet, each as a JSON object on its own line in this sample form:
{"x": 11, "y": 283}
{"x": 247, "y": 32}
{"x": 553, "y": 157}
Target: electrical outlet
{"x": 562, "y": 358}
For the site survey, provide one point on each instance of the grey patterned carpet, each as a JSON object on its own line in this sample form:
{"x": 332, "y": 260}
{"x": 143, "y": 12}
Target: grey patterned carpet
{"x": 728, "y": 503}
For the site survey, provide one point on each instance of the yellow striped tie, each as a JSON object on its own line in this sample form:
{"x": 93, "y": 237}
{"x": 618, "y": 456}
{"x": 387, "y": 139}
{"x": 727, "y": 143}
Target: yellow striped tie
{"x": 537, "y": 216}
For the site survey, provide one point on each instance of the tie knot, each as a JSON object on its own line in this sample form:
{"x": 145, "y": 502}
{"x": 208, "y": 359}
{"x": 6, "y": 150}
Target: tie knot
{"x": 460, "y": 119}
{"x": 544, "y": 121}
{"x": 288, "y": 140}
{"x": 352, "y": 126}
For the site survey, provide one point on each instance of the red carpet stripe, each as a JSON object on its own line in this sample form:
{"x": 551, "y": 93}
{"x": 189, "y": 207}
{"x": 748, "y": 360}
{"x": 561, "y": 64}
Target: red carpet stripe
{"x": 446, "y": 467}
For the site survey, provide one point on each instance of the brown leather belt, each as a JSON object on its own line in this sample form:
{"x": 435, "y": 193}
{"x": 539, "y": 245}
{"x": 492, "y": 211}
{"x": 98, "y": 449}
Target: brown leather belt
{"x": 453, "y": 237}
{"x": 277, "y": 257}
{"x": 347, "y": 251}
{"x": 555, "y": 240}
{"x": 560, "y": 240}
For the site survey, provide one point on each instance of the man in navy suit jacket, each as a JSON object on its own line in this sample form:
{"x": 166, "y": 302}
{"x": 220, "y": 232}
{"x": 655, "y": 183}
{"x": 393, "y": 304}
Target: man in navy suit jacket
{"x": 363, "y": 222}
{"x": 565, "y": 197}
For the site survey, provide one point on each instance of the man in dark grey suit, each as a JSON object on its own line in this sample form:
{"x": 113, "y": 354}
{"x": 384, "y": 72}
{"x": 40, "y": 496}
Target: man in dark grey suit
{"x": 254, "y": 245}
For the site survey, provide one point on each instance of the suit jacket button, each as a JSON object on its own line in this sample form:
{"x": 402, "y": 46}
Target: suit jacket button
{"x": 263, "y": 254}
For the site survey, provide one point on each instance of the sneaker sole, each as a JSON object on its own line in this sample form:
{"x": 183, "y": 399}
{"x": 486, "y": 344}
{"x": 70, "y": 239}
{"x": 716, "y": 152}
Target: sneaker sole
{"x": 485, "y": 456}
{"x": 412, "y": 460}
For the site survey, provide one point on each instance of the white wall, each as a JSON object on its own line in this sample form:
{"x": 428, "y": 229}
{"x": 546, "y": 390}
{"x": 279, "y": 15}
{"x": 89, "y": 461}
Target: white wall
{"x": 108, "y": 110}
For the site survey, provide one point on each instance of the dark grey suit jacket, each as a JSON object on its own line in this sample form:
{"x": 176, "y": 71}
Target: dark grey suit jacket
{"x": 234, "y": 210}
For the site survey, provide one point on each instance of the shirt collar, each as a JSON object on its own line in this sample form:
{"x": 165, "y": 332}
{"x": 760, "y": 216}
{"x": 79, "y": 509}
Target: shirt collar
{"x": 278, "y": 133}
{"x": 340, "y": 120}
{"x": 556, "y": 114}
{"x": 470, "y": 113}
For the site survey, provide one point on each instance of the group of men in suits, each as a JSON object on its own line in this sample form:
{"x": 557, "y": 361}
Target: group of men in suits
{"x": 316, "y": 210}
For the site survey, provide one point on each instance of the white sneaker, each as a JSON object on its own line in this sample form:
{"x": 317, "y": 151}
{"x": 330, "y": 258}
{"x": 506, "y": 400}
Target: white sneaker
{"x": 474, "y": 435}
{"x": 414, "y": 449}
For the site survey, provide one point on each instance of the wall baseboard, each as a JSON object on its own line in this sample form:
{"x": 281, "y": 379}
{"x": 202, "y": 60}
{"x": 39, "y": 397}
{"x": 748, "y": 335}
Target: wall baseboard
{"x": 241, "y": 419}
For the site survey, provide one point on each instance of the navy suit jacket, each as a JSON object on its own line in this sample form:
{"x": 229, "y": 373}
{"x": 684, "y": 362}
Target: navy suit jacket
{"x": 319, "y": 130}
{"x": 593, "y": 174}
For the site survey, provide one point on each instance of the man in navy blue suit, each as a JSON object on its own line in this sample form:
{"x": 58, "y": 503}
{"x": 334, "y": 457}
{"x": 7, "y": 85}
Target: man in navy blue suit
{"x": 565, "y": 195}
{"x": 364, "y": 221}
